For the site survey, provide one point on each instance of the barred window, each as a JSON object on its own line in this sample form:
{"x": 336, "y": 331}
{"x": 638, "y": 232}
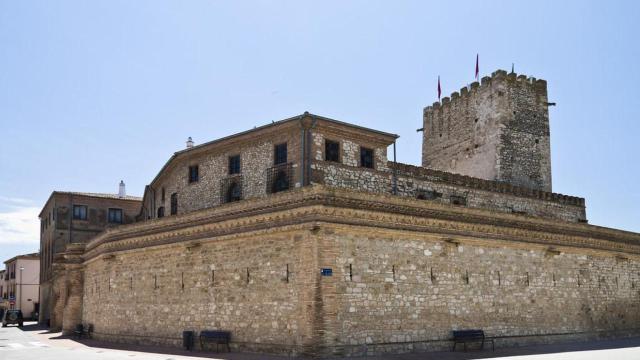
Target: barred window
{"x": 234, "y": 164}
{"x": 231, "y": 189}
{"x": 331, "y": 151}
{"x": 366, "y": 158}
{"x": 280, "y": 154}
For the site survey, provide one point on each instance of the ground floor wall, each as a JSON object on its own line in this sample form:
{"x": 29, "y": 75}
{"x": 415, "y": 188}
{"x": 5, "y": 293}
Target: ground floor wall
{"x": 405, "y": 291}
{"x": 331, "y": 289}
{"x": 257, "y": 287}
{"x": 46, "y": 302}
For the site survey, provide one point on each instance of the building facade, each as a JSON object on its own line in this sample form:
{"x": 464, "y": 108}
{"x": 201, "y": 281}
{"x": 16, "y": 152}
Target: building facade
{"x": 75, "y": 218}
{"x": 23, "y": 284}
{"x": 302, "y": 237}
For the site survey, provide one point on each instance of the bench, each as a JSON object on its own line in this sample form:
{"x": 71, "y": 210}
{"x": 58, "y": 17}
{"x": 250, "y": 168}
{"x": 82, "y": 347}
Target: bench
{"x": 83, "y": 331}
{"x": 217, "y": 336}
{"x": 465, "y": 336}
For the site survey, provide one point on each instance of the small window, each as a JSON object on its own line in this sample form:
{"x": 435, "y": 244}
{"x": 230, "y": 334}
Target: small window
{"x": 234, "y": 164}
{"x": 161, "y": 212}
{"x": 193, "y": 174}
{"x": 331, "y": 151}
{"x": 280, "y": 154}
{"x": 458, "y": 200}
{"x": 366, "y": 158}
{"x": 79, "y": 212}
{"x": 162, "y": 197}
{"x": 115, "y": 216}
{"x": 174, "y": 204}
{"x": 423, "y": 194}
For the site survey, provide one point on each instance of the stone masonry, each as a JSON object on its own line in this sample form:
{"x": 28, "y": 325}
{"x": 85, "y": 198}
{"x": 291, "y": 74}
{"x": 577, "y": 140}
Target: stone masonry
{"x": 338, "y": 251}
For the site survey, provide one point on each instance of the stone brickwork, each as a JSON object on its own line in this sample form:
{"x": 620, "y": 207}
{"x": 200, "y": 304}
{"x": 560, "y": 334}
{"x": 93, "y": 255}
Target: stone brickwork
{"x": 405, "y": 273}
{"x": 448, "y": 188}
{"x": 495, "y": 130}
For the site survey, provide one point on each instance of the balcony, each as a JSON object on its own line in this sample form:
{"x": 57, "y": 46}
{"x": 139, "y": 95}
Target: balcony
{"x": 231, "y": 189}
{"x": 279, "y": 178}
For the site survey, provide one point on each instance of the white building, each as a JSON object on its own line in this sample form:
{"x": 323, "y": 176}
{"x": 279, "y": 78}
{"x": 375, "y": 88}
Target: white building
{"x": 22, "y": 282}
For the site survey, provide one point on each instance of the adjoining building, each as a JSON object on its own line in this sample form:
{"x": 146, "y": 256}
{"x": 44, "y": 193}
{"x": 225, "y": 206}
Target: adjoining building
{"x": 4, "y": 295}
{"x": 22, "y": 282}
{"x": 69, "y": 218}
{"x": 302, "y": 237}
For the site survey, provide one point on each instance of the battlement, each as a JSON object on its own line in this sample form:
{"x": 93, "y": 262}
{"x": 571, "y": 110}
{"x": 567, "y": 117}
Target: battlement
{"x": 495, "y": 129}
{"x": 487, "y": 82}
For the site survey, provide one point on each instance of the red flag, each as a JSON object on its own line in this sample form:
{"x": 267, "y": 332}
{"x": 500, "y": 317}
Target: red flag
{"x": 477, "y": 66}
{"x": 439, "y": 90}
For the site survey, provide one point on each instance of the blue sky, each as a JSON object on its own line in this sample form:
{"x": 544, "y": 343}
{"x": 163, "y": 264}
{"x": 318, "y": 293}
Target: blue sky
{"x": 94, "y": 92}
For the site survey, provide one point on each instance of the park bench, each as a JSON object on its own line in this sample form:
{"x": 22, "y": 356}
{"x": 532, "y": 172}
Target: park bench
{"x": 83, "y": 331}
{"x": 217, "y": 336}
{"x": 470, "y": 336}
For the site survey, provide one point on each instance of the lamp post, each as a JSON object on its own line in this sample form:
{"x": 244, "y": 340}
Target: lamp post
{"x": 20, "y": 302}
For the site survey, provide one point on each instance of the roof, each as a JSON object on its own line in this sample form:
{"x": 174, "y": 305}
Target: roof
{"x": 89, "y": 194}
{"x": 24, "y": 256}
{"x": 390, "y": 137}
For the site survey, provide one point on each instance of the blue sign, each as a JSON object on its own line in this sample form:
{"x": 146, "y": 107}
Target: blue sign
{"x": 326, "y": 272}
{"x": 12, "y": 298}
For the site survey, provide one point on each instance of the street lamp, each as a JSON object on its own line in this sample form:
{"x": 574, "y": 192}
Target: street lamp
{"x": 20, "y": 302}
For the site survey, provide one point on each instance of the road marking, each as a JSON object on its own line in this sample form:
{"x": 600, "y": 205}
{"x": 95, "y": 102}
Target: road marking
{"x": 16, "y": 345}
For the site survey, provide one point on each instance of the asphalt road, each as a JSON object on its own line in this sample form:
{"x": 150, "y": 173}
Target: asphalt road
{"x": 34, "y": 343}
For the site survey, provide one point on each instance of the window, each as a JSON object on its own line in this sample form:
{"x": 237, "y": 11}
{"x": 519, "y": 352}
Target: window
{"x": 366, "y": 158}
{"x": 193, "y": 173}
{"x": 331, "y": 151}
{"x": 162, "y": 197}
{"x": 280, "y": 154}
{"x": 115, "y": 216}
{"x": 174, "y": 204}
{"x": 427, "y": 194}
{"x": 235, "y": 192}
{"x": 79, "y": 212}
{"x": 234, "y": 164}
{"x": 458, "y": 200}
{"x": 160, "y": 212}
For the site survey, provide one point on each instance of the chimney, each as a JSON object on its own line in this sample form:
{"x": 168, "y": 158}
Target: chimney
{"x": 189, "y": 143}
{"x": 121, "y": 190}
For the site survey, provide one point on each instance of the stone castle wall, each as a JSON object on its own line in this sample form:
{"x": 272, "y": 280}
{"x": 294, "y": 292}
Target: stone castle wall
{"x": 253, "y": 286}
{"x": 404, "y": 292}
{"x": 405, "y": 273}
{"x": 496, "y": 130}
{"x": 446, "y": 188}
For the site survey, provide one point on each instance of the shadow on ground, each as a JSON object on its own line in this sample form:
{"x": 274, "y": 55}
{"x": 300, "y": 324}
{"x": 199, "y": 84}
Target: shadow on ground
{"x": 458, "y": 355}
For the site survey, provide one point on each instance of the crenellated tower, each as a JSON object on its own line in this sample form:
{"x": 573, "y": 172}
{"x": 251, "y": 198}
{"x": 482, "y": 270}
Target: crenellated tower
{"x": 497, "y": 129}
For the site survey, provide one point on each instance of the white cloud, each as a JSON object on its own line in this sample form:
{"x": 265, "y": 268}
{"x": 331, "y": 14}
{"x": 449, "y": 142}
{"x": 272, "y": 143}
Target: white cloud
{"x": 20, "y": 225}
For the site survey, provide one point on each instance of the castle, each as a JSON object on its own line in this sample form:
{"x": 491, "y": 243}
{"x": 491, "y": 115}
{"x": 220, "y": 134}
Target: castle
{"x": 301, "y": 237}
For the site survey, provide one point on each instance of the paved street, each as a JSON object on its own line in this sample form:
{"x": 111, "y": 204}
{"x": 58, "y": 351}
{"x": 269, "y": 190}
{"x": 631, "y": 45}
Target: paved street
{"x": 35, "y": 343}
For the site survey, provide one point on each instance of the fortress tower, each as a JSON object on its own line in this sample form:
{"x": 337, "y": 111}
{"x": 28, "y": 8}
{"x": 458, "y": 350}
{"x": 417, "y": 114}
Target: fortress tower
{"x": 495, "y": 130}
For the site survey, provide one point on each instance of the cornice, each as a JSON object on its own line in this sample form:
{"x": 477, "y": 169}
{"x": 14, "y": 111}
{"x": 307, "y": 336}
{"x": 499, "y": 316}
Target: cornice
{"x": 316, "y": 203}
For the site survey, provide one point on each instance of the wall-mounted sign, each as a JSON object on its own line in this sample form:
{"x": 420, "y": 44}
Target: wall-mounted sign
{"x": 326, "y": 272}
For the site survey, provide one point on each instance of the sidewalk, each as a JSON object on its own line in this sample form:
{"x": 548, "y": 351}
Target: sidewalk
{"x": 631, "y": 348}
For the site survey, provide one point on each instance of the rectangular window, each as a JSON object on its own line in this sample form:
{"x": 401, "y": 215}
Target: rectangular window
{"x": 366, "y": 158}
{"x": 115, "y": 216}
{"x": 79, "y": 212}
{"x": 161, "y": 212}
{"x": 193, "y": 174}
{"x": 162, "y": 197}
{"x": 280, "y": 154}
{"x": 331, "y": 151}
{"x": 174, "y": 204}
{"x": 234, "y": 164}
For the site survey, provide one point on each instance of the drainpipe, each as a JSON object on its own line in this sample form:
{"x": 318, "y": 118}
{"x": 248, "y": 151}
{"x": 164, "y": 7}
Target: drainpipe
{"x": 395, "y": 170}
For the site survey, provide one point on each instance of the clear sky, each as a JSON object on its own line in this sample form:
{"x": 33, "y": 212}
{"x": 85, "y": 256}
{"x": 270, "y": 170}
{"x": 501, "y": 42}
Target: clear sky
{"x": 95, "y": 92}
